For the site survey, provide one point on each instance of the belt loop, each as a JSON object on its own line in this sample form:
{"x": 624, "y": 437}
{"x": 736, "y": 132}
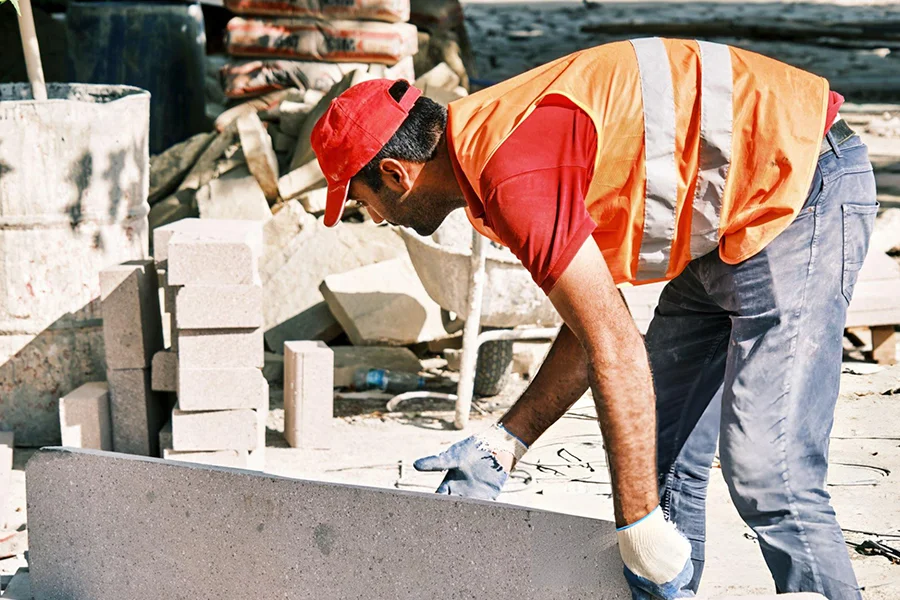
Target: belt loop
{"x": 830, "y": 137}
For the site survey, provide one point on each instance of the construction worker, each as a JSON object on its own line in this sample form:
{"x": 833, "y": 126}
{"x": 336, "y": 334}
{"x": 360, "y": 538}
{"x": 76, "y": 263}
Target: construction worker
{"x": 723, "y": 172}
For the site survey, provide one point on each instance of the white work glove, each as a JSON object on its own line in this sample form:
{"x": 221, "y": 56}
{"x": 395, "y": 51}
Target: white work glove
{"x": 657, "y": 558}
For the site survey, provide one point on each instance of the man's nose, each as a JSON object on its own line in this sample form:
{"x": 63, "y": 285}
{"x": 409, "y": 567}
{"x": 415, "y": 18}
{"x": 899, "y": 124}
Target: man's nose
{"x": 375, "y": 216}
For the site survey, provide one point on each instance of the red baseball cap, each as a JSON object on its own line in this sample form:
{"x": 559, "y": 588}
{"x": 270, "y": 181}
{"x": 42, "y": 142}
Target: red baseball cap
{"x": 352, "y": 131}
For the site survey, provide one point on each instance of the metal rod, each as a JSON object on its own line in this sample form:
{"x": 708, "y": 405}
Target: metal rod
{"x": 469, "y": 358}
{"x": 32, "y": 51}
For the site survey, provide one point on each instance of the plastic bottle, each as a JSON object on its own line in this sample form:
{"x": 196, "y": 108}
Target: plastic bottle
{"x": 394, "y": 382}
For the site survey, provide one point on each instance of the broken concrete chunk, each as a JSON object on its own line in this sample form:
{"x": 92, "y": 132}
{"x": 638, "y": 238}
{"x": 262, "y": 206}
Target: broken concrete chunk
{"x": 305, "y": 531}
{"x": 291, "y": 117}
{"x": 222, "y": 389}
{"x": 281, "y": 141}
{"x": 383, "y": 303}
{"x": 314, "y": 201}
{"x": 291, "y": 291}
{"x": 234, "y": 195}
{"x": 308, "y": 394}
{"x": 84, "y": 417}
{"x": 224, "y": 254}
{"x": 260, "y": 155}
{"x": 349, "y": 359}
{"x": 132, "y": 326}
{"x": 301, "y": 179}
{"x": 283, "y": 234}
{"x": 528, "y": 357}
{"x": 164, "y": 376}
{"x": 440, "y": 77}
{"x": 169, "y": 168}
{"x": 218, "y": 307}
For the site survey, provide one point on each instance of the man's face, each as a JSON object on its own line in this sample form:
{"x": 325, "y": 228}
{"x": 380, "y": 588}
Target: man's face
{"x": 405, "y": 200}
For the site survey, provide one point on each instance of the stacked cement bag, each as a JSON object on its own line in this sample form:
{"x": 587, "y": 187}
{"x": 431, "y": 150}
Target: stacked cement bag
{"x": 308, "y": 43}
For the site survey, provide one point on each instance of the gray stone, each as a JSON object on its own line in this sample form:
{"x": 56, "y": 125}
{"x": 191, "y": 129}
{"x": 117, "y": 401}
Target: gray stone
{"x": 157, "y": 525}
{"x": 20, "y": 586}
{"x": 84, "y": 417}
{"x": 219, "y": 307}
{"x": 348, "y": 359}
{"x": 222, "y": 389}
{"x": 7, "y": 439}
{"x": 164, "y": 372}
{"x": 220, "y": 349}
{"x": 215, "y": 430}
{"x": 383, "y": 303}
{"x": 132, "y": 326}
{"x": 293, "y": 306}
{"x": 136, "y": 411}
{"x": 308, "y": 394}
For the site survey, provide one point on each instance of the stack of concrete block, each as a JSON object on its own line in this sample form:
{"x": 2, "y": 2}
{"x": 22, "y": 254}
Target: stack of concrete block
{"x": 132, "y": 334}
{"x": 84, "y": 417}
{"x": 216, "y": 361}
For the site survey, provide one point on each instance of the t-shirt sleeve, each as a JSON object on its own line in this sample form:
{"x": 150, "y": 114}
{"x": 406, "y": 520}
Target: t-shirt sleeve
{"x": 535, "y": 188}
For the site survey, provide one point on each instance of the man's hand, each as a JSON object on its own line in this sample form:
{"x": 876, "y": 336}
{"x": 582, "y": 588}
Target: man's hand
{"x": 478, "y": 466}
{"x": 657, "y": 558}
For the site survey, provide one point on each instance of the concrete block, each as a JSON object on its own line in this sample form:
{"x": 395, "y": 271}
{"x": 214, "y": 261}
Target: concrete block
{"x": 218, "y": 256}
{"x": 215, "y": 430}
{"x": 20, "y": 586}
{"x": 239, "y": 459}
{"x": 157, "y": 525}
{"x": 84, "y": 417}
{"x": 233, "y": 195}
{"x": 348, "y": 359}
{"x": 164, "y": 372}
{"x": 218, "y": 307}
{"x": 137, "y": 412}
{"x": 308, "y": 394}
{"x": 220, "y": 349}
{"x": 7, "y": 439}
{"x": 384, "y": 303}
{"x": 222, "y": 389}
{"x": 188, "y": 227}
{"x": 132, "y": 326}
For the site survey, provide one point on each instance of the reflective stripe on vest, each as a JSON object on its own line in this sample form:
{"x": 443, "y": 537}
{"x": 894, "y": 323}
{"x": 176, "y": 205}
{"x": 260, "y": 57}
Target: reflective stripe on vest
{"x": 661, "y": 196}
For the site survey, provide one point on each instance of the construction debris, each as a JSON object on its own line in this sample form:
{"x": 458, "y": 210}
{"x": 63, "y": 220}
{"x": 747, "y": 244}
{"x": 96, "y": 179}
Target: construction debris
{"x": 383, "y": 303}
{"x": 235, "y": 194}
{"x": 349, "y": 359}
{"x": 261, "y": 160}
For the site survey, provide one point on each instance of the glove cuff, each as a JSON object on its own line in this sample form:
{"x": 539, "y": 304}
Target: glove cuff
{"x": 499, "y": 439}
{"x": 653, "y": 549}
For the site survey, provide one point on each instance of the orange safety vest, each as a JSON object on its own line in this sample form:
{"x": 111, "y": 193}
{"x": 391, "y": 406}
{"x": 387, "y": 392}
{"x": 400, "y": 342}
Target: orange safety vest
{"x": 698, "y": 145}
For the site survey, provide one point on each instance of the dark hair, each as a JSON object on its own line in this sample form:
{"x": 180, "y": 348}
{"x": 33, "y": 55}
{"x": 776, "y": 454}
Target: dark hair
{"x": 416, "y": 140}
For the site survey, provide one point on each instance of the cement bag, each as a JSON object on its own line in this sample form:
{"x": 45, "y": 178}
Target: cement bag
{"x": 392, "y": 11}
{"x": 314, "y": 39}
{"x": 245, "y": 79}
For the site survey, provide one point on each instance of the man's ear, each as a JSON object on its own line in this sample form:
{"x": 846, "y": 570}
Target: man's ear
{"x": 396, "y": 175}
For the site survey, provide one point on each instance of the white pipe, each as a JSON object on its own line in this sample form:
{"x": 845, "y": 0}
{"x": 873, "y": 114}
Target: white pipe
{"x": 469, "y": 357}
{"x": 32, "y": 51}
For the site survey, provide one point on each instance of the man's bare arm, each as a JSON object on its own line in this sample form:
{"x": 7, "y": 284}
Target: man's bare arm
{"x": 588, "y": 301}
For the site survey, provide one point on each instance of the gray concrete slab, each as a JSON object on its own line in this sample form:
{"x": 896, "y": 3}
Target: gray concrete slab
{"x": 185, "y": 531}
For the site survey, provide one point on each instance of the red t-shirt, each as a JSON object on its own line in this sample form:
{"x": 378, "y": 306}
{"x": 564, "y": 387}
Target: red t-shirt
{"x": 535, "y": 184}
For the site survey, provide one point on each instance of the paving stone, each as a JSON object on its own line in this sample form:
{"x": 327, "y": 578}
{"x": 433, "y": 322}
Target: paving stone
{"x": 162, "y": 235}
{"x": 219, "y": 255}
{"x": 293, "y": 306}
{"x": 164, "y": 372}
{"x": 20, "y": 586}
{"x": 84, "y": 417}
{"x": 215, "y": 430}
{"x": 7, "y": 439}
{"x": 132, "y": 327}
{"x": 383, "y": 303}
{"x": 308, "y": 394}
{"x": 137, "y": 412}
{"x": 348, "y": 359}
{"x": 155, "y": 525}
{"x": 220, "y": 348}
{"x": 219, "y": 307}
{"x": 222, "y": 389}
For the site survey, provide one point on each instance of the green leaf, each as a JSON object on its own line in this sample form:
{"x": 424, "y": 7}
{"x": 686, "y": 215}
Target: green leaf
{"x": 15, "y": 4}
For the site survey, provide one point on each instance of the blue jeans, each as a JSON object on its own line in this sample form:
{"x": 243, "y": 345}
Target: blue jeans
{"x": 751, "y": 354}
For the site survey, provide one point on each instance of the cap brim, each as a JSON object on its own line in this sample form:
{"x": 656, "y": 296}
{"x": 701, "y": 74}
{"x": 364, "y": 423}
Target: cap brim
{"x": 335, "y": 202}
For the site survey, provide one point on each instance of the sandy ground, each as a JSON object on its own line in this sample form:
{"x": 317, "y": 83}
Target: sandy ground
{"x": 566, "y": 472}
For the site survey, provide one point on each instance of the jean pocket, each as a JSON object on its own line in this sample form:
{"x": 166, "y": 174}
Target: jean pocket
{"x": 858, "y": 223}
